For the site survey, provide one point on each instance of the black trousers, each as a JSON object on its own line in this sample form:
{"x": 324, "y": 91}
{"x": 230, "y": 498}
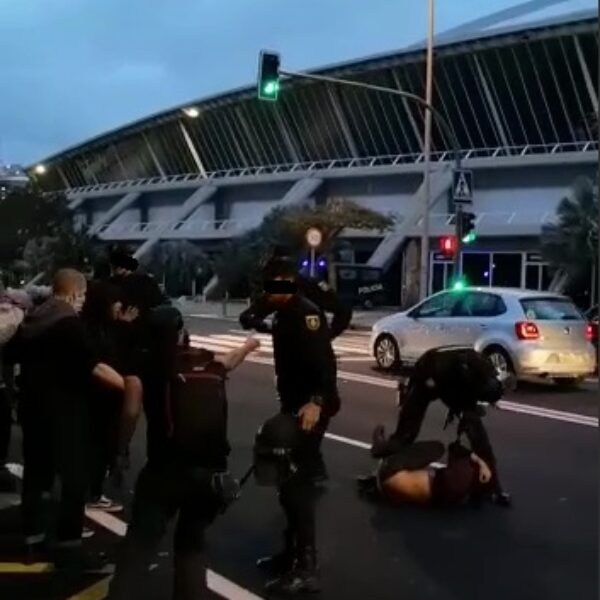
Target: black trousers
{"x": 410, "y": 419}
{"x": 5, "y": 424}
{"x": 298, "y": 494}
{"x": 55, "y": 444}
{"x": 164, "y": 491}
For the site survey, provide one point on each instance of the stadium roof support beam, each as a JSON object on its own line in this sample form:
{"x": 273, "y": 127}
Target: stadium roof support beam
{"x": 63, "y": 177}
{"x": 339, "y": 115}
{"x": 490, "y": 101}
{"x": 198, "y": 197}
{"x": 409, "y": 113}
{"x": 285, "y": 134}
{"x": 586, "y": 74}
{"x": 153, "y": 156}
{"x": 114, "y": 211}
{"x": 192, "y": 149}
{"x": 300, "y": 191}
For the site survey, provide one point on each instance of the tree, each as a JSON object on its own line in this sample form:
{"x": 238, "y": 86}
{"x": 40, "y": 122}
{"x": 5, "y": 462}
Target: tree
{"x": 571, "y": 244}
{"x": 37, "y": 234}
{"x": 240, "y": 264}
{"x": 179, "y": 263}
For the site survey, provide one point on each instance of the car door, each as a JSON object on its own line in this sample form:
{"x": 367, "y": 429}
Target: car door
{"x": 473, "y": 317}
{"x": 427, "y": 325}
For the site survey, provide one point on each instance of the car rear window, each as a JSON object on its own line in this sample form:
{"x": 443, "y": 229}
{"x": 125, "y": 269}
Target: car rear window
{"x": 550, "y": 309}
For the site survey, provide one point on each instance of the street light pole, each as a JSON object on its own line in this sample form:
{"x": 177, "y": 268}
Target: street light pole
{"x": 424, "y": 270}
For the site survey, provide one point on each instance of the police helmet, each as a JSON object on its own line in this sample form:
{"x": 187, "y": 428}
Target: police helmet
{"x": 274, "y": 446}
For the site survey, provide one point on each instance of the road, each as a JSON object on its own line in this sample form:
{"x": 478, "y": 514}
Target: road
{"x": 545, "y": 547}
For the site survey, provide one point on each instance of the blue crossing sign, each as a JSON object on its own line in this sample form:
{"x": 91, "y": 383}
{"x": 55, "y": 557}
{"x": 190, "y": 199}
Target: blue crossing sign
{"x": 462, "y": 186}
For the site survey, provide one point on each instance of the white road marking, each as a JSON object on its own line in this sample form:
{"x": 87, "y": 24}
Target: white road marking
{"x": 516, "y": 407}
{"x": 217, "y": 583}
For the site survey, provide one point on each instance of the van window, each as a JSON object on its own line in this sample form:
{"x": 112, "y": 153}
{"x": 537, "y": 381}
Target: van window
{"x": 348, "y": 274}
{"x": 550, "y": 309}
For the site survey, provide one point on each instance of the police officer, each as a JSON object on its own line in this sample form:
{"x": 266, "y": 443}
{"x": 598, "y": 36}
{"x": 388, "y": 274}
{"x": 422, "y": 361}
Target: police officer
{"x": 323, "y": 297}
{"x": 462, "y": 379}
{"x": 307, "y": 387}
{"x": 318, "y": 292}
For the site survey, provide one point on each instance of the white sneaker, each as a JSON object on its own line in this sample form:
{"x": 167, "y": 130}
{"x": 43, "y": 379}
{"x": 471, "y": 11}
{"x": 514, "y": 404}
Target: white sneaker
{"x": 105, "y": 504}
{"x": 87, "y": 533}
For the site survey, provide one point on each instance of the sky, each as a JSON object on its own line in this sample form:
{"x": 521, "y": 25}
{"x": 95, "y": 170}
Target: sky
{"x": 72, "y": 69}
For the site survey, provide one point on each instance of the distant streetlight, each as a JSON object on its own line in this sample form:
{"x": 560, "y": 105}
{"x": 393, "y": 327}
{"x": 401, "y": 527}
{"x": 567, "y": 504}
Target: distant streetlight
{"x": 192, "y": 112}
{"x": 40, "y": 169}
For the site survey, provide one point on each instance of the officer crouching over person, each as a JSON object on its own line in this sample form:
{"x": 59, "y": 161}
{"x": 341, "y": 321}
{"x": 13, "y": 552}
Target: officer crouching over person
{"x": 306, "y": 383}
{"x": 186, "y": 472}
{"x": 464, "y": 381}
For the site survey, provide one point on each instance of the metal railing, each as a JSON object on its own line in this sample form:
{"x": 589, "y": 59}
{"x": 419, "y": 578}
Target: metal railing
{"x": 193, "y": 227}
{"x": 233, "y": 227}
{"x": 343, "y": 163}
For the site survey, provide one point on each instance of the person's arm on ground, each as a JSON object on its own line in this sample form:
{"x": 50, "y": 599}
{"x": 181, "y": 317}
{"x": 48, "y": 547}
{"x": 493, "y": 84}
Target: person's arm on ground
{"x": 233, "y": 359}
{"x": 485, "y": 473}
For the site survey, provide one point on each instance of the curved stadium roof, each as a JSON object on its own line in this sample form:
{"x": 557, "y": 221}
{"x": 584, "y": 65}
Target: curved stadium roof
{"x": 524, "y": 77}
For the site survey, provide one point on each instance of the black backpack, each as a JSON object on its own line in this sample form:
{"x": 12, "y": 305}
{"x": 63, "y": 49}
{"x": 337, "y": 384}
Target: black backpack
{"x": 196, "y": 406}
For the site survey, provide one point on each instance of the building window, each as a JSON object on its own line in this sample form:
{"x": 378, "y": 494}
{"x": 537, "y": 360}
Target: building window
{"x": 477, "y": 268}
{"x": 506, "y": 269}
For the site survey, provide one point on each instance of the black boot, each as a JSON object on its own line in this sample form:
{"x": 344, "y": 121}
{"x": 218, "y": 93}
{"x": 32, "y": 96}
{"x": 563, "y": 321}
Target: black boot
{"x": 382, "y": 446}
{"x": 278, "y": 564}
{"x": 302, "y": 578}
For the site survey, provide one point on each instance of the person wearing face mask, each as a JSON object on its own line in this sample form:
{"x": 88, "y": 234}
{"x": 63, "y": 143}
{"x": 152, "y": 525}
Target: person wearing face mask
{"x": 57, "y": 369}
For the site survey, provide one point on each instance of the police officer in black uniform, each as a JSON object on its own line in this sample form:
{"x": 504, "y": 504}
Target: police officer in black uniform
{"x": 463, "y": 380}
{"x": 307, "y": 386}
{"x": 323, "y": 297}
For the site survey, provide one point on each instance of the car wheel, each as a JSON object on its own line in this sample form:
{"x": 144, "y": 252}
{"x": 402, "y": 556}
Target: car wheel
{"x": 387, "y": 354}
{"x": 501, "y": 361}
{"x": 567, "y": 383}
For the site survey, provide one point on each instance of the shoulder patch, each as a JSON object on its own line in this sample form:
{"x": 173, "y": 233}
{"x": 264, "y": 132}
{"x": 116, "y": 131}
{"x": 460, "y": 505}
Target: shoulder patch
{"x": 324, "y": 286}
{"x": 313, "y": 322}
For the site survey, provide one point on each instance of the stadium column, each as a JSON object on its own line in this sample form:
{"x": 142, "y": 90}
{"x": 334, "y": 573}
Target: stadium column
{"x": 192, "y": 149}
{"x": 112, "y": 213}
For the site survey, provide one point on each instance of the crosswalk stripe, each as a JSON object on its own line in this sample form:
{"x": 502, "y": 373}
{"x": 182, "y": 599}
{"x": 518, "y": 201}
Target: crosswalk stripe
{"x": 23, "y": 569}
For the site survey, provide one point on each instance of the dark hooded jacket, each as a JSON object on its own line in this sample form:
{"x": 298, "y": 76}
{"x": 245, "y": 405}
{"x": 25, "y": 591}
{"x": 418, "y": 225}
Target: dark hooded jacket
{"x": 55, "y": 357}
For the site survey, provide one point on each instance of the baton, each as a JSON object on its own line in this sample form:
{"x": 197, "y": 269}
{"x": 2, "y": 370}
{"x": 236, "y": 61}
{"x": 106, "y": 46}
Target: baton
{"x": 246, "y": 476}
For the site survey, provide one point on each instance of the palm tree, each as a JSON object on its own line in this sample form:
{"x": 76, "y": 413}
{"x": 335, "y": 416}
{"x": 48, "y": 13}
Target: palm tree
{"x": 570, "y": 244}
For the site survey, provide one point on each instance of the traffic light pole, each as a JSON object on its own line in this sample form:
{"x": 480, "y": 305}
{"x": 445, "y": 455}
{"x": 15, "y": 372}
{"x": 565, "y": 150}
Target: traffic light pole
{"x": 459, "y": 242}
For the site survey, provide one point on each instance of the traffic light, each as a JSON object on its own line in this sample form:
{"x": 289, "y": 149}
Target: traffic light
{"x": 448, "y": 246}
{"x": 268, "y": 76}
{"x": 467, "y": 227}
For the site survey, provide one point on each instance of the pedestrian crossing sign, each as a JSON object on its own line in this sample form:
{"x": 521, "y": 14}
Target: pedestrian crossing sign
{"x": 463, "y": 186}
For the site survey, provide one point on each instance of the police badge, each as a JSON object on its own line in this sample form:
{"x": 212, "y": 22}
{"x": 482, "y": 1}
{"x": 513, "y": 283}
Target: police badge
{"x": 313, "y": 322}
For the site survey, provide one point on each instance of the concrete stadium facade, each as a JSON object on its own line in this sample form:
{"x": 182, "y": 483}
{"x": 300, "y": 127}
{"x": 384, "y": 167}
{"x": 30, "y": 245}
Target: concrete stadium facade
{"x": 519, "y": 89}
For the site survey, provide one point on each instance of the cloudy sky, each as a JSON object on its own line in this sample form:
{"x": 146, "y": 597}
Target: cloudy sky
{"x": 71, "y": 69}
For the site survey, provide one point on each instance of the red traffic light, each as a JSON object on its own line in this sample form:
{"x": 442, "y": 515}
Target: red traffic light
{"x": 448, "y": 245}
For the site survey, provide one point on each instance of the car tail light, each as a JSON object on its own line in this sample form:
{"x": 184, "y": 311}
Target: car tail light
{"x": 526, "y": 330}
{"x": 591, "y": 332}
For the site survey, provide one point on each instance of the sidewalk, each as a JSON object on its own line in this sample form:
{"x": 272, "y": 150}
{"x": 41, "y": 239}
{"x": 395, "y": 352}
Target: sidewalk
{"x": 362, "y": 320}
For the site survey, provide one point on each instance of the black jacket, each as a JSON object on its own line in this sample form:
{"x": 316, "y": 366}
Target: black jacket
{"x": 304, "y": 359}
{"x": 318, "y": 293}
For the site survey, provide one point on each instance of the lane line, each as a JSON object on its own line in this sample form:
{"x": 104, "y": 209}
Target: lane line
{"x": 515, "y": 407}
{"x": 12, "y": 568}
{"x": 96, "y": 591}
{"x": 217, "y": 583}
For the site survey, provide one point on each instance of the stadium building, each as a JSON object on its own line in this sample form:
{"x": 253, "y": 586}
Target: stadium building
{"x": 519, "y": 89}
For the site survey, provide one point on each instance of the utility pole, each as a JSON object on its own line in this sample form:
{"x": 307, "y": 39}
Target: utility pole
{"x": 424, "y": 270}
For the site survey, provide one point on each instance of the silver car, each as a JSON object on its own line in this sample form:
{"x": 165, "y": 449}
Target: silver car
{"x": 522, "y": 332}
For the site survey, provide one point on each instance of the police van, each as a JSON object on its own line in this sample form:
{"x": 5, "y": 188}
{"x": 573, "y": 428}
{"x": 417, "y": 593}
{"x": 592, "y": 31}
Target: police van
{"x": 360, "y": 285}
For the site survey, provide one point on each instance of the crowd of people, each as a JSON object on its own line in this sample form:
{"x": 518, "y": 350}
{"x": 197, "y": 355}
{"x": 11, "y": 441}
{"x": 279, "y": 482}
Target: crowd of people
{"x": 81, "y": 364}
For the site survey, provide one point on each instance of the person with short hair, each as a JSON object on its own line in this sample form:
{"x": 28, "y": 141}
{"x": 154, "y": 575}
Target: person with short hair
{"x": 57, "y": 368}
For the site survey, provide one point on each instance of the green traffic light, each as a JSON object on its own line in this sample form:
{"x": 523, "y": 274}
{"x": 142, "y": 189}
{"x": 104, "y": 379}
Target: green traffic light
{"x": 459, "y": 285}
{"x": 271, "y": 88}
{"x": 470, "y": 237}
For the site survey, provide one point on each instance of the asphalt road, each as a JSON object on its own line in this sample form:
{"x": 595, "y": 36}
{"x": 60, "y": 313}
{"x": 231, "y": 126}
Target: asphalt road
{"x": 545, "y": 547}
